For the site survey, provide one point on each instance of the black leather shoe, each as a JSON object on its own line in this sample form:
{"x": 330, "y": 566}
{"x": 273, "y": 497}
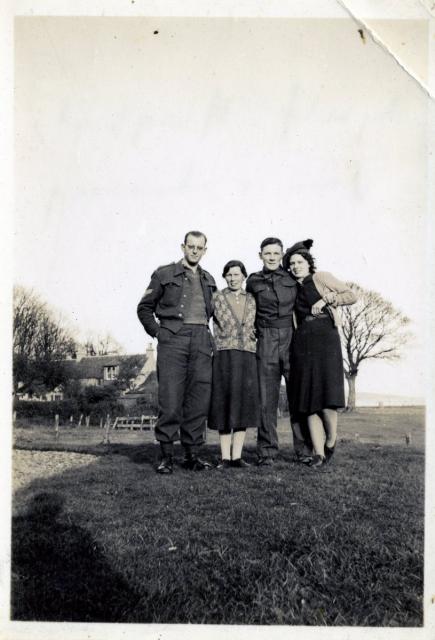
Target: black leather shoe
{"x": 265, "y": 462}
{"x": 166, "y": 465}
{"x": 195, "y": 464}
{"x": 223, "y": 464}
{"x": 329, "y": 452}
{"x": 240, "y": 463}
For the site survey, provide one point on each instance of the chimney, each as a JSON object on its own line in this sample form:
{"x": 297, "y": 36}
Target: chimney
{"x": 151, "y": 358}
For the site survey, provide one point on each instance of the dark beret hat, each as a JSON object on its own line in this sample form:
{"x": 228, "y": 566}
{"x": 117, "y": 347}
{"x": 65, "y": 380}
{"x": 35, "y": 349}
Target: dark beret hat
{"x": 300, "y": 247}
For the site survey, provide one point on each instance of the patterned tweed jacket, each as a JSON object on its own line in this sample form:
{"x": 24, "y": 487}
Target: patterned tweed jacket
{"x": 228, "y": 332}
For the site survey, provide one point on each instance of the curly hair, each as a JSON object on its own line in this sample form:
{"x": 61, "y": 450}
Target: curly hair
{"x": 305, "y": 254}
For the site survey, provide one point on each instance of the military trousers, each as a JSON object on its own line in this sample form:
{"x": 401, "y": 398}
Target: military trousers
{"x": 273, "y": 353}
{"x": 184, "y": 373}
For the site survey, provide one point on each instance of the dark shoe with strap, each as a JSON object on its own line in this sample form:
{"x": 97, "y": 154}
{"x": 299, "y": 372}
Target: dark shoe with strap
{"x": 224, "y": 464}
{"x": 316, "y": 462}
{"x": 193, "y": 463}
{"x": 166, "y": 465}
{"x": 329, "y": 452}
{"x": 239, "y": 463}
{"x": 265, "y": 462}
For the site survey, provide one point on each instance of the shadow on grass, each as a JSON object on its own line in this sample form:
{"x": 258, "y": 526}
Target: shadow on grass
{"x": 113, "y": 541}
{"x": 59, "y": 572}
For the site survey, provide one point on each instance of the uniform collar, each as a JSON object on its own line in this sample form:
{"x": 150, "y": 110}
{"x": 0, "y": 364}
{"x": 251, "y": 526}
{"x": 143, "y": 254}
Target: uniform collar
{"x": 180, "y": 269}
{"x": 268, "y": 274}
{"x": 181, "y": 266}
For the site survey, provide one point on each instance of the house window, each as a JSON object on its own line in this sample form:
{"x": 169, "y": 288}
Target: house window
{"x": 111, "y": 372}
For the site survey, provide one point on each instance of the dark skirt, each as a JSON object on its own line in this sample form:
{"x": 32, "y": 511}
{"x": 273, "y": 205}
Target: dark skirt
{"x": 235, "y": 404}
{"x": 316, "y": 368}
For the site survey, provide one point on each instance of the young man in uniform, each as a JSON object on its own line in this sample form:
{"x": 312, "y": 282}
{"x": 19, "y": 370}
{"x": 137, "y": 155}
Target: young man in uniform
{"x": 176, "y": 308}
{"x": 275, "y": 294}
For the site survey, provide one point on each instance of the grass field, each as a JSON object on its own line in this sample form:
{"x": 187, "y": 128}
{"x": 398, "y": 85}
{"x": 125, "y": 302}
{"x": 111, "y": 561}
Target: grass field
{"x": 113, "y": 541}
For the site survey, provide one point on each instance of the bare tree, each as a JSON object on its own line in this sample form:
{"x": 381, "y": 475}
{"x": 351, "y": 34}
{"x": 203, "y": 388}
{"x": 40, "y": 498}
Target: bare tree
{"x": 41, "y": 340}
{"x": 102, "y": 345}
{"x": 27, "y": 314}
{"x": 372, "y": 329}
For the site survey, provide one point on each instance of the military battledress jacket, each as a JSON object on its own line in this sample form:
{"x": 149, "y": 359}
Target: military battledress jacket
{"x": 163, "y": 298}
{"x": 275, "y": 294}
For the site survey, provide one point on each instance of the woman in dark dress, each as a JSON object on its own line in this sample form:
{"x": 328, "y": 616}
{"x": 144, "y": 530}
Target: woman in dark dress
{"x": 316, "y": 361}
{"x": 235, "y": 393}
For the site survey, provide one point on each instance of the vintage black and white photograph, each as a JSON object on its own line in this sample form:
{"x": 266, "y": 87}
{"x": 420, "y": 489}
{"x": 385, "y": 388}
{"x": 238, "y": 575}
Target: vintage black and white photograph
{"x": 220, "y": 299}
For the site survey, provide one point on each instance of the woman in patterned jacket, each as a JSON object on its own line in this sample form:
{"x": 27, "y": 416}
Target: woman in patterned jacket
{"x": 235, "y": 394}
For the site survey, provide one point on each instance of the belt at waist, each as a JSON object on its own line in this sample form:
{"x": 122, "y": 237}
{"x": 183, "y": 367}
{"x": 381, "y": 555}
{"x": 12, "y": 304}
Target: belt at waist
{"x": 196, "y": 325}
{"x": 277, "y": 323}
{"x": 320, "y": 316}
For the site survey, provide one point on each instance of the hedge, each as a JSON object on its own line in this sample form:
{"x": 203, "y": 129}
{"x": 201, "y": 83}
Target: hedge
{"x": 45, "y": 411}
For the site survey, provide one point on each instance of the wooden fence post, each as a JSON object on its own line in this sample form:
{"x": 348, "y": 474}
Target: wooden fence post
{"x": 88, "y": 420}
{"x": 101, "y": 423}
{"x": 80, "y": 420}
{"x": 71, "y": 420}
{"x": 106, "y": 430}
{"x": 56, "y": 426}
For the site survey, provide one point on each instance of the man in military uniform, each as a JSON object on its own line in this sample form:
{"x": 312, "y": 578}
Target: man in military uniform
{"x": 176, "y": 308}
{"x": 275, "y": 294}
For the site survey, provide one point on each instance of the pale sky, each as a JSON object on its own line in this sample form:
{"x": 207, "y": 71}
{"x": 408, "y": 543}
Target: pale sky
{"x": 242, "y": 128}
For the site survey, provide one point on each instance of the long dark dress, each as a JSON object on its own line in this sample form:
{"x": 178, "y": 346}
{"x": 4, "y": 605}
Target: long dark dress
{"x": 316, "y": 362}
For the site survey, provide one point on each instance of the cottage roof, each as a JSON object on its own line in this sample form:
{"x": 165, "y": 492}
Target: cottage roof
{"x": 93, "y": 366}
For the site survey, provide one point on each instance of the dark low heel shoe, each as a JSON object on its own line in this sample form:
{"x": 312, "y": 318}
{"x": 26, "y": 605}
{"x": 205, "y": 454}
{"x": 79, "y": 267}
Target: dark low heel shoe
{"x": 166, "y": 465}
{"x": 239, "y": 463}
{"x": 329, "y": 452}
{"x": 316, "y": 462}
{"x": 223, "y": 464}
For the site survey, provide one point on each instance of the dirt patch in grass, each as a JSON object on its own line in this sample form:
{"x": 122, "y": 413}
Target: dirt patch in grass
{"x": 30, "y": 465}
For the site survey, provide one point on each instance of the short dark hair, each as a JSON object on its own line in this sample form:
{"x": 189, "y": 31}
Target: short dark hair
{"x": 267, "y": 241}
{"x": 234, "y": 263}
{"x": 305, "y": 254}
{"x": 196, "y": 234}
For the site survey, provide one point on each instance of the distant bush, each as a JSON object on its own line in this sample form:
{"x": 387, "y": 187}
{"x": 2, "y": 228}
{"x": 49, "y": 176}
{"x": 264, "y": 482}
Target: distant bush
{"x": 99, "y": 401}
{"x": 43, "y": 412}
{"x": 146, "y": 405}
